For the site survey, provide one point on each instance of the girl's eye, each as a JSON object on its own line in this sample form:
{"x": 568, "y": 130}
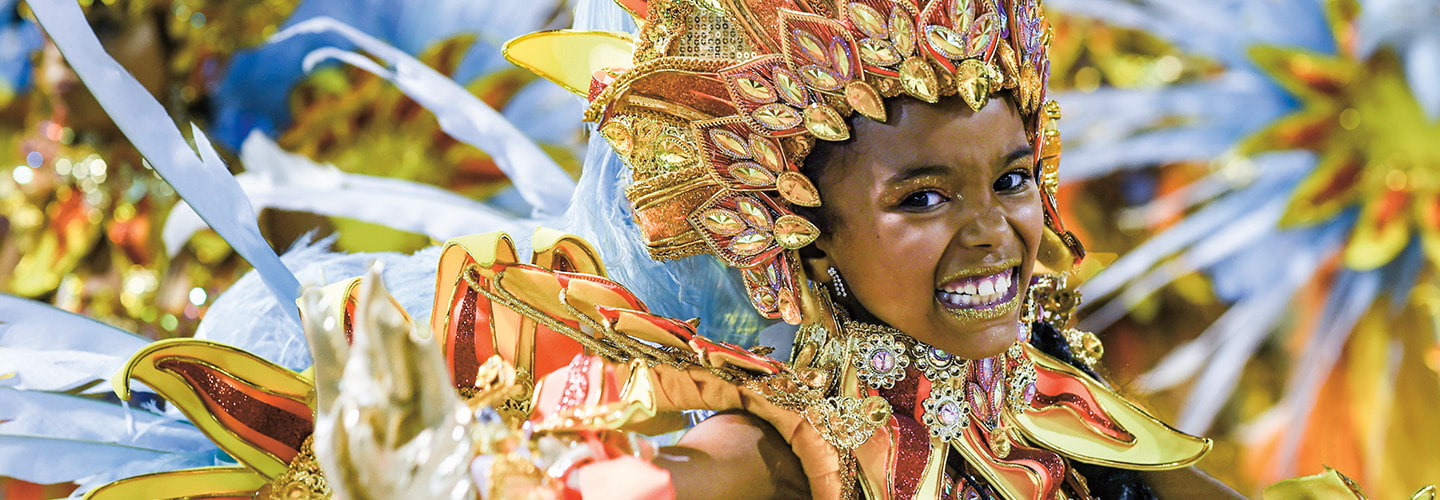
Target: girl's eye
{"x": 922, "y": 200}
{"x": 1012, "y": 181}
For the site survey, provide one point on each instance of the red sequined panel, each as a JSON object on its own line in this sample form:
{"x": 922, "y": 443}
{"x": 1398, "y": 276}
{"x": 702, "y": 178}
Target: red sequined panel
{"x": 1057, "y": 390}
{"x": 274, "y": 423}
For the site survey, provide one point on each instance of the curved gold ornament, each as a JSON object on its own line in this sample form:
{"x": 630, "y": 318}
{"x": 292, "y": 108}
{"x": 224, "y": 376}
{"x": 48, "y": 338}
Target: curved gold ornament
{"x": 826, "y": 123}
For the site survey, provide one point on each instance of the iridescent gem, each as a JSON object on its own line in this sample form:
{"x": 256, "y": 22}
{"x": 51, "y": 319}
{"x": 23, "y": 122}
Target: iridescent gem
{"x": 867, "y": 19}
{"x": 729, "y": 143}
{"x": 767, "y": 153}
{"x": 752, "y": 174}
{"x": 795, "y": 188}
{"x": 878, "y": 52}
{"x": 865, "y": 99}
{"x": 789, "y": 307}
{"x": 789, "y": 86}
{"x": 840, "y": 55}
{"x": 753, "y": 213}
{"x": 902, "y": 31}
{"x": 946, "y": 41}
{"x": 819, "y": 78}
{"x": 722, "y": 222}
{"x": 918, "y": 80}
{"x": 810, "y": 45}
{"x": 776, "y": 116}
{"x": 794, "y": 232}
{"x": 826, "y": 123}
{"x": 949, "y": 413}
{"x": 619, "y": 136}
{"x": 754, "y": 89}
{"x": 750, "y": 243}
{"x": 882, "y": 361}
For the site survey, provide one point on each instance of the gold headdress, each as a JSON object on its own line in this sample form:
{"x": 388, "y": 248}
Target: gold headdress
{"x": 716, "y": 103}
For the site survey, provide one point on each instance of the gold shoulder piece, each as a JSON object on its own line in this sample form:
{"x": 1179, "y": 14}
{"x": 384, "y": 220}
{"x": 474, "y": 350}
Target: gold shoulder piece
{"x": 569, "y": 57}
{"x": 206, "y": 482}
{"x": 1080, "y": 418}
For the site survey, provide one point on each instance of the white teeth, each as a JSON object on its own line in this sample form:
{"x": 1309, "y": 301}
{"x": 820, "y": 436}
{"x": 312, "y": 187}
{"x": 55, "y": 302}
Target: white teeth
{"x": 968, "y": 288}
{"x": 987, "y": 288}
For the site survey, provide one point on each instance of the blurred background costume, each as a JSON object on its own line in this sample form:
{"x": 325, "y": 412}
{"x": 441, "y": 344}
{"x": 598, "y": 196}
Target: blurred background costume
{"x": 748, "y": 235}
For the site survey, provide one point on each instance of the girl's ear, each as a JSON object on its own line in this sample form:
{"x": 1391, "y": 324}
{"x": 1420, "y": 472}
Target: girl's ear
{"x": 815, "y": 261}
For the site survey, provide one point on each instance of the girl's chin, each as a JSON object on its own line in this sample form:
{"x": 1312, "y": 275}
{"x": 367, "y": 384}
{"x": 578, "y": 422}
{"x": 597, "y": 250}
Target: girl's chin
{"x": 989, "y": 341}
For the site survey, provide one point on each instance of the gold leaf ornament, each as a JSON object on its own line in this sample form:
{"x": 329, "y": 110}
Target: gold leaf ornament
{"x": 865, "y": 99}
{"x": 797, "y": 189}
{"x": 794, "y": 232}
{"x": 918, "y": 79}
{"x": 826, "y": 123}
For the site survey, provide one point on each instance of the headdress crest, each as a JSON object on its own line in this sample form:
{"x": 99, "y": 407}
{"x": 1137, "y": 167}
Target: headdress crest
{"x": 716, "y": 103}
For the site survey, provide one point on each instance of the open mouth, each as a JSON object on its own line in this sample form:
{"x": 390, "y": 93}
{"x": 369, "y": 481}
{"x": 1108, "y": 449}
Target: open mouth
{"x": 988, "y": 290}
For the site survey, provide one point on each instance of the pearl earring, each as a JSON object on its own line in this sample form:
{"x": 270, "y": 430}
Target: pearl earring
{"x": 837, "y": 282}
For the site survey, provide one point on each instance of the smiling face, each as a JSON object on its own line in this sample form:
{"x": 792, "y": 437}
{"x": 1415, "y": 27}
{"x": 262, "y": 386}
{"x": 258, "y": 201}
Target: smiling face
{"x": 933, "y": 221}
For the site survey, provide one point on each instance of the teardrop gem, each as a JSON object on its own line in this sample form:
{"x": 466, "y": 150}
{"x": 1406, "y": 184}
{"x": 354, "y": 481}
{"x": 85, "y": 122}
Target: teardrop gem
{"x": 776, "y": 116}
{"x": 721, "y": 221}
{"x": 865, "y": 99}
{"x": 619, "y": 136}
{"x": 902, "y": 31}
{"x": 797, "y": 189}
{"x": 729, "y": 143}
{"x": 794, "y": 232}
{"x": 810, "y": 45}
{"x": 673, "y": 152}
{"x": 767, "y": 153}
{"x": 878, "y": 52}
{"x": 789, "y": 87}
{"x": 753, "y": 213}
{"x": 750, "y": 243}
{"x": 973, "y": 83}
{"x": 752, "y": 174}
{"x": 826, "y": 123}
{"x": 918, "y": 80}
{"x": 840, "y": 54}
{"x": 819, "y": 78}
{"x": 945, "y": 41}
{"x": 867, "y": 19}
{"x": 755, "y": 90}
